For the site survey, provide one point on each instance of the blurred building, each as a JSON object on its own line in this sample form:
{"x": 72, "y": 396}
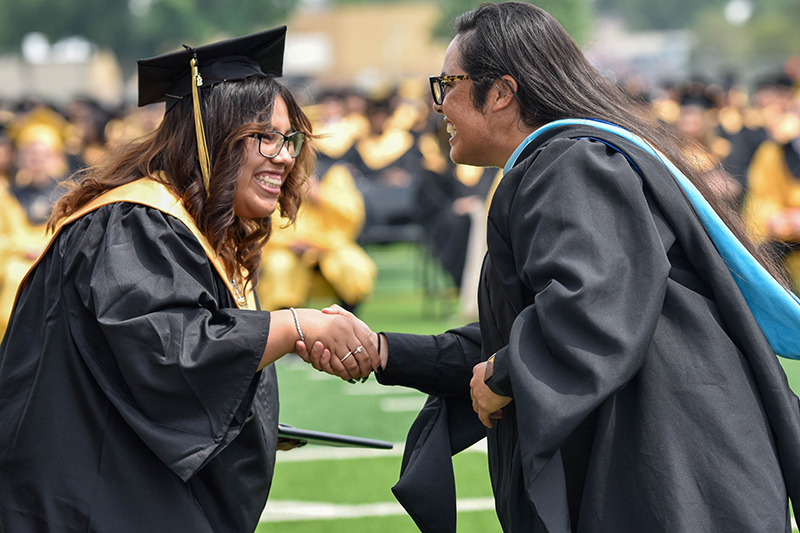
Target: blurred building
{"x": 368, "y": 45}
{"x": 651, "y": 56}
{"x": 372, "y": 45}
{"x": 59, "y": 72}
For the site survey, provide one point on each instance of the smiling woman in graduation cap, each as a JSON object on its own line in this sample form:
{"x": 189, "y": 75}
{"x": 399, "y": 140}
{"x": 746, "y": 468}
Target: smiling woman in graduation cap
{"x": 136, "y": 390}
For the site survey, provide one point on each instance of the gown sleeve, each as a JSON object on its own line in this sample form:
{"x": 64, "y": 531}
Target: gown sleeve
{"x": 439, "y": 365}
{"x": 160, "y": 334}
{"x": 585, "y": 246}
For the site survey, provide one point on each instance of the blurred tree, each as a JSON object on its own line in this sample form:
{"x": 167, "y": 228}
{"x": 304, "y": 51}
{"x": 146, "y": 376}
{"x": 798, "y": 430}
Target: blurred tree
{"x": 758, "y": 44}
{"x": 143, "y": 28}
{"x": 649, "y": 15}
{"x": 137, "y": 28}
{"x": 574, "y": 15}
{"x": 774, "y": 27}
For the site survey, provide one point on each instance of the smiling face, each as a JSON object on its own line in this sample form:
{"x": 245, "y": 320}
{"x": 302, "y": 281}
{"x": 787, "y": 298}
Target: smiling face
{"x": 260, "y": 179}
{"x": 470, "y": 131}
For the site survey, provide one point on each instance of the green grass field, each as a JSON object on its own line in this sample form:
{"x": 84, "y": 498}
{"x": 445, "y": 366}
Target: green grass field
{"x": 348, "y": 490}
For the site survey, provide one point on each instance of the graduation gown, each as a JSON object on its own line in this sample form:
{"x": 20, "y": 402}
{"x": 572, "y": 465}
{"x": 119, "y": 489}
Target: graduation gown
{"x": 17, "y": 238}
{"x": 389, "y": 170}
{"x": 645, "y": 396}
{"x": 328, "y": 229}
{"x": 130, "y": 399}
{"x": 774, "y": 178}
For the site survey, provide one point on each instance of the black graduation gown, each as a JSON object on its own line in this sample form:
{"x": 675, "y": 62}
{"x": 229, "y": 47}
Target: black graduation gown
{"x": 38, "y": 201}
{"x": 645, "y": 397}
{"x": 129, "y": 394}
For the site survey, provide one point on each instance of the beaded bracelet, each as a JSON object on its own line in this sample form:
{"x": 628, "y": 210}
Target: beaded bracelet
{"x": 297, "y": 324}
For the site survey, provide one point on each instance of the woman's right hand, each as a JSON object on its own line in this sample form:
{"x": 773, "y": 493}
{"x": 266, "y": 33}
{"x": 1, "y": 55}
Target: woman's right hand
{"x": 380, "y": 338}
{"x": 341, "y": 345}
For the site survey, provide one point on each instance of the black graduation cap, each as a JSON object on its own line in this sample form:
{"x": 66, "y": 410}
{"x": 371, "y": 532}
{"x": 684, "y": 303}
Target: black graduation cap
{"x": 173, "y": 76}
{"x": 169, "y": 77}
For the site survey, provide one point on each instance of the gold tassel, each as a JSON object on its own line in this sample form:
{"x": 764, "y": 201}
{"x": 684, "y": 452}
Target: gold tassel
{"x": 202, "y": 146}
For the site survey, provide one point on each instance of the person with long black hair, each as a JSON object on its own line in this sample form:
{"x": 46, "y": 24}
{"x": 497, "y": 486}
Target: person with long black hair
{"x": 618, "y": 370}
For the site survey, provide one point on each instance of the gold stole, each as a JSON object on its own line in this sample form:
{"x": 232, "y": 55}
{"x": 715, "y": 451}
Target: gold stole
{"x": 151, "y": 193}
{"x": 380, "y": 152}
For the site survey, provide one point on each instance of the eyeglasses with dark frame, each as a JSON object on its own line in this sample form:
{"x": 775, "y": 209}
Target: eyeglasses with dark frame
{"x": 271, "y": 143}
{"x": 438, "y": 84}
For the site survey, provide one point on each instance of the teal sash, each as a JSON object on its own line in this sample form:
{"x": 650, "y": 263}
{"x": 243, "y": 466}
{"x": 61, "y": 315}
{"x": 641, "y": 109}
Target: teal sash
{"x": 776, "y": 310}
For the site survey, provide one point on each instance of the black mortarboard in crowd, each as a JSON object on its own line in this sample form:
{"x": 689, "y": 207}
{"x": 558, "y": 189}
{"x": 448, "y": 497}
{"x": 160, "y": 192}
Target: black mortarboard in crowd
{"x": 168, "y": 77}
{"x": 171, "y": 77}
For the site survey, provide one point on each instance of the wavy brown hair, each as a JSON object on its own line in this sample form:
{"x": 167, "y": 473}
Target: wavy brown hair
{"x": 232, "y": 111}
{"x": 555, "y": 81}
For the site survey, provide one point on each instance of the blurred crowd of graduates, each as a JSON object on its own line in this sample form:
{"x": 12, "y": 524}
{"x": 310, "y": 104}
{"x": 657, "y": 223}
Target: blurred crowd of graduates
{"x": 748, "y": 143}
{"x": 384, "y": 175}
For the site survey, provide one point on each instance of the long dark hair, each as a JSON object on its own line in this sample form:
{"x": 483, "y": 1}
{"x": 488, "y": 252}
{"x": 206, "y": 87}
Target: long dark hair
{"x": 232, "y": 111}
{"x": 555, "y": 81}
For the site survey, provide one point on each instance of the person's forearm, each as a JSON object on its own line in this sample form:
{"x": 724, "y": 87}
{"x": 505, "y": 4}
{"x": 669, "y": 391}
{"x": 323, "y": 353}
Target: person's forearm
{"x": 434, "y": 364}
{"x": 384, "y": 349}
{"x": 283, "y": 334}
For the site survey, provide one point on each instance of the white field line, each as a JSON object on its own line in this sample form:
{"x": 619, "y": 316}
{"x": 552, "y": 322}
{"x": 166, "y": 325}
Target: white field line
{"x": 372, "y": 388}
{"x": 403, "y": 404}
{"x": 320, "y": 376}
{"x": 283, "y": 511}
{"x": 287, "y": 510}
{"x": 312, "y": 452}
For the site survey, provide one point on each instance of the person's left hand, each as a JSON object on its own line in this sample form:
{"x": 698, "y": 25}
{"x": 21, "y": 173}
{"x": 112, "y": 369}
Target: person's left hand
{"x": 487, "y": 404}
{"x": 284, "y": 444}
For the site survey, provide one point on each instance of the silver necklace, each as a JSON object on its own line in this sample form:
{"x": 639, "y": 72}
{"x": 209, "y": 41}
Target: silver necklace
{"x": 240, "y": 299}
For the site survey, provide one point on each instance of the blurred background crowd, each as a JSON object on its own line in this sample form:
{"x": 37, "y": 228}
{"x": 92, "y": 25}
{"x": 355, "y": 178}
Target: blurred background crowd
{"x": 383, "y": 173}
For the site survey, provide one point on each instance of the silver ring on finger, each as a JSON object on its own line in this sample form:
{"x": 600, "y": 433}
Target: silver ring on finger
{"x": 346, "y": 356}
{"x": 358, "y": 350}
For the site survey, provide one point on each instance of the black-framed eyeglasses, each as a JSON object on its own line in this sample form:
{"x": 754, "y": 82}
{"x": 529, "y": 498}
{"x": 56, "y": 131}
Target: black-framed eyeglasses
{"x": 438, "y": 84}
{"x": 271, "y": 143}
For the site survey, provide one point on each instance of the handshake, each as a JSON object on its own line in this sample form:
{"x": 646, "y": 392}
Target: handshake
{"x": 335, "y": 341}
